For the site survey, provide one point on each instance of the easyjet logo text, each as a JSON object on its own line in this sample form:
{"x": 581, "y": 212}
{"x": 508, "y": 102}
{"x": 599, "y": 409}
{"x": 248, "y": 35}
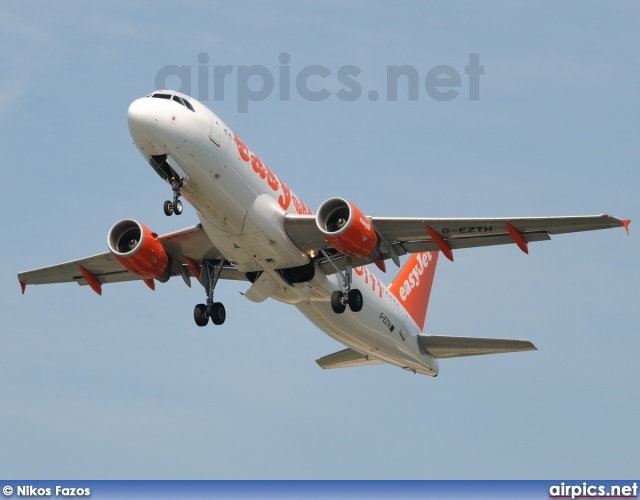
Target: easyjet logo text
{"x": 413, "y": 281}
{"x": 287, "y": 198}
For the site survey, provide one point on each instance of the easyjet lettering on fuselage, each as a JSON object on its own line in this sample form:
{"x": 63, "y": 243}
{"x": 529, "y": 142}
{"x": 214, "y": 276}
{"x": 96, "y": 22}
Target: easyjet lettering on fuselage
{"x": 369, "y": 277}
{"x": 286, "y": 198}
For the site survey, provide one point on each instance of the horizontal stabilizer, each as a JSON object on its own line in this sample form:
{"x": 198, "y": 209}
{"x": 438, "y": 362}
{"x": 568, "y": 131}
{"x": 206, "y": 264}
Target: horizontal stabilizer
{"x": 440, "y": 346}
{"x": 346, "y": 359}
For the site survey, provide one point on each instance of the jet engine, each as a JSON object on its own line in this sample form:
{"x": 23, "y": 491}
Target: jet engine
{"x": 139, "y": 250}
{"x": 346, "y": 229}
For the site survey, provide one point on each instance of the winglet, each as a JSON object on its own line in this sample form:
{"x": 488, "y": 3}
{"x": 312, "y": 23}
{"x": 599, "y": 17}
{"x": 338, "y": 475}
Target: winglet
{"x": 150, "y": 283}
{"x": 442, "y": 245}
{"x": 93, "y": 282}
{"x": 517, "y": 238}
{"x": 626, "y": 223}
{"x": 23, "y": 285}
{"x": 380, "y": 264}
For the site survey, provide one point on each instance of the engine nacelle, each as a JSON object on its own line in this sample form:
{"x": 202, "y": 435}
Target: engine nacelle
{"x": 346, "y": 229}
{"x": 139, "y": 250}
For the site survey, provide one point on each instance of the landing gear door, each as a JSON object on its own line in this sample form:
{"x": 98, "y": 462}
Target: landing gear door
{"x": 215, "y": 133}
{"x": 175, "y": 167}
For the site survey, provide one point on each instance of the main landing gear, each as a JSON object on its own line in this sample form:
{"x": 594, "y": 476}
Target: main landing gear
{"x": 213, "y": 310}
{"x": 175, "y": 206}
{"x": 340, "y": 298}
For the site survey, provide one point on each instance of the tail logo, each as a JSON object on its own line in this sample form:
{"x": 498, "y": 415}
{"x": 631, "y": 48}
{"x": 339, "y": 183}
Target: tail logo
{"x": 412, "y": 286}
{"x": 413, "y": 280}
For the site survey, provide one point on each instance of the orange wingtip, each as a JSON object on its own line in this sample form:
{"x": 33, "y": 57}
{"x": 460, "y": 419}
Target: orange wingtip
{"x": 626, "y": 223}
{"x": 23, "y": 285}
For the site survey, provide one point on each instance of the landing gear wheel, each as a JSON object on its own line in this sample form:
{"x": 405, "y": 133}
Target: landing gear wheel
{"x": 218, "y": 313}
{"x": 337, "y": 304}
{"x": 168, "y": 208}
{"x": 210, "y": 273}
{"x": 200, "y": 315}
{"x": 355, "y": 300}
{"x": 177, "y": 207}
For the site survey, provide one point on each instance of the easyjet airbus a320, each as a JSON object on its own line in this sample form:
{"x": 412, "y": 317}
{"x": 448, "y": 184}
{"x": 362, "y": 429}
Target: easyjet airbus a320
{"x": 254, "y": 228}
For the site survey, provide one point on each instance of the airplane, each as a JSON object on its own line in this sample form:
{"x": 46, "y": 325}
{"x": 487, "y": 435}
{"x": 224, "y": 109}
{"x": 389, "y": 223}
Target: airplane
{"x": 252, "y": 227}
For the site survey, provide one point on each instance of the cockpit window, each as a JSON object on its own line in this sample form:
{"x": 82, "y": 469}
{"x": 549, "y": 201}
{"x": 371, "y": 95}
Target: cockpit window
{"x": 178, "y": 99}
{"x": 188, "y": 105}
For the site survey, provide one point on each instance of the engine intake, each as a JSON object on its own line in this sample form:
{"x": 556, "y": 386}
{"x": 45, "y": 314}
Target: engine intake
{"x": 346, "y": 229}
{"x": 139, "y": 250}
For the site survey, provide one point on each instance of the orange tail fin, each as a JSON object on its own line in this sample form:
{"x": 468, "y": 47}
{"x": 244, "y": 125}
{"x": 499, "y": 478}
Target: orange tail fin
{"x": 412, "y": 286}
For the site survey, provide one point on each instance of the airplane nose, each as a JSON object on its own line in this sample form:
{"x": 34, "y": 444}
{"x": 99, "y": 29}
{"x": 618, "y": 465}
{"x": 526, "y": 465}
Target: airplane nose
{"x": 140, "y": 114}
{"x": 142, "y": 118}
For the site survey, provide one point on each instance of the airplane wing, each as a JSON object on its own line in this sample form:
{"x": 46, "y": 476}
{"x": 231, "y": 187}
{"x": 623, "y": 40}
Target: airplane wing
{"x": 346, "y": 359}
{"x": 440, "y": 346}
{"x": 191, "y": 242}
{"x": 409, "y": 235}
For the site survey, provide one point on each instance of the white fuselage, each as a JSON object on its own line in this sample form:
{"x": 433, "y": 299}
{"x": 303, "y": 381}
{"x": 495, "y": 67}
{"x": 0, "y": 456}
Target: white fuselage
{"x": 241, "y": 205}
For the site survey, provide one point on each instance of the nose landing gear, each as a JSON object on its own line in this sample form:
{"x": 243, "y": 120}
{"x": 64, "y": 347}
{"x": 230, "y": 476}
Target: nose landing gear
{"x": 175, "y": 206}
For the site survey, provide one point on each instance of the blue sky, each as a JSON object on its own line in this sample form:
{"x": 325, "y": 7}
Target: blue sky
{"x": 126, "y": 386}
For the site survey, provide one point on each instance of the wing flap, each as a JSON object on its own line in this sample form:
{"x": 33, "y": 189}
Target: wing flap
{"x": 346, "y": 359}
{"x": 440, "y": 346}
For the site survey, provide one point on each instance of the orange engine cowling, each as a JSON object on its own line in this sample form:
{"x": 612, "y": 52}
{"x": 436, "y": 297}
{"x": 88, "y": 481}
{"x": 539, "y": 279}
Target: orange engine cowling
{"x": 346, "y": 229}
{"x": 139, "y": 250}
